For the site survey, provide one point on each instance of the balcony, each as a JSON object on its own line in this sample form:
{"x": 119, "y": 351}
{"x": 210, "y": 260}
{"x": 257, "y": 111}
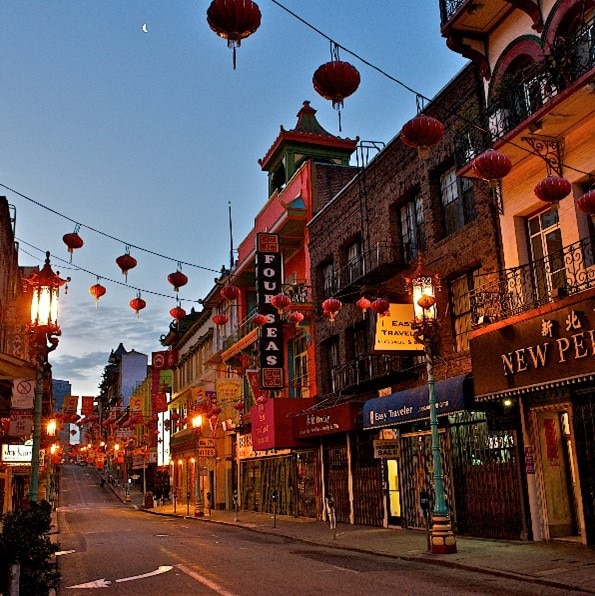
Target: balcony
{"x": 515, "y": 291}
{"x": 364, "y": 373}
{"x": 523, "y": 96}
{"x": 371, "y": 267}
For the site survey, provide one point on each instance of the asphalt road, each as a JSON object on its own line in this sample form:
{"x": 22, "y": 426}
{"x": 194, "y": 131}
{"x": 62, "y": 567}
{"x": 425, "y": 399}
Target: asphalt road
{"x": 112, "y": 547}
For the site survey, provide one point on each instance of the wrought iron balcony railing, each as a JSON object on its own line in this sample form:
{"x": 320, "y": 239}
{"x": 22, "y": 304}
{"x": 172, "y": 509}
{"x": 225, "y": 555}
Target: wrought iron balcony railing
{"x": 369, "y": 368}
{"x": 245, "y": 326}
{"x": 448, "y": 8}
{"x": 521, "y": 96}
{"x": 511, "y": 292}
{"x": 371, "y": 266}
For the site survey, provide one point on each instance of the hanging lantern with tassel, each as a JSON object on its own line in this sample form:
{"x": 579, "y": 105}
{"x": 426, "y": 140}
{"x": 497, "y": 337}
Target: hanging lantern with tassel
{"x": 330, "y": 308}
{"x": 220, "y": 319}
{"x": 97, "y": 291}
{"x": 126, "y": 262}
{"x": 552, "y": 189}
{"x": 492, "y": 166}
{"x": 281, "y": 302}
{"x": 177, "y": 279}
{"x": 295, "y": 318}
{"x": 586, "y": 202}
{"x": 73, "y": 240}
{"x": 137, "y": 304}
{"x": 363, "y": 304}
{"x": 380, "y": 306}
{"x": 422, "y": 132}
{"x": 259, "y": 320}
{"x": 230, "y": 292}
{"x": 336, "y": 80}
{"x": 178, "y": 313}
{"x": 233, "y": 20}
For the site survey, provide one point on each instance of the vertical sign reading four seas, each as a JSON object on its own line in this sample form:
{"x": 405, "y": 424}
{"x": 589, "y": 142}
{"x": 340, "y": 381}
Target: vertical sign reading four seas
{"x": 268, "y": 284}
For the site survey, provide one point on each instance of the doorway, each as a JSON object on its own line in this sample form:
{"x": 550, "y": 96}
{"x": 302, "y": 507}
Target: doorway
{"x": 559, "y": 480}
{"x": 394, "y": 493}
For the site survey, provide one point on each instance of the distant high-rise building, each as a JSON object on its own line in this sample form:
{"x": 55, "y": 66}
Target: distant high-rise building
{"x": 60, "y": 389}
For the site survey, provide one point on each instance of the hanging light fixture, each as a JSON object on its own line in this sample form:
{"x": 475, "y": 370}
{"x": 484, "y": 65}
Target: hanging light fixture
{"x": 230, "y": 292}
{"x": 422, "y": 132}
{"x": 552, "y": 189}
{"x": 492, "y": 166}
{"x": 137, "y": 304}
{"x": 73, "y": 240}
{"x": 233, "y": 20}
{"x": 126, "y": 262}
{"x": 586, "y": 202}
{"x": 336, "y": 80}
{"x": 97, "y": 291}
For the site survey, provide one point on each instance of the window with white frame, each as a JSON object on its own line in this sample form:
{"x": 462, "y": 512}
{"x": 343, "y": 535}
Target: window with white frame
{"x": 458, "y": 201}
{"x": 461, "y": 308}
{"x": 354, "y": 261}
{"x": 412, "y": 235}
{"x": 328, "y": 279}
{"x": 300, "y": 386}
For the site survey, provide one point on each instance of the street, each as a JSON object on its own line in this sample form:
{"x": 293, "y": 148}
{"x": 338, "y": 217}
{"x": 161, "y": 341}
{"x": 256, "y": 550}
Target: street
{"x": 111, "y": 546}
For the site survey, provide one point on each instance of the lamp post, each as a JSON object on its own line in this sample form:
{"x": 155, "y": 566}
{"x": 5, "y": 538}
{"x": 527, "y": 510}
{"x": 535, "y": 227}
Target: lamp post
{"x": 198, "y": 504}
{"x": 426, "y": 328}
{"x": 43, "y": 339}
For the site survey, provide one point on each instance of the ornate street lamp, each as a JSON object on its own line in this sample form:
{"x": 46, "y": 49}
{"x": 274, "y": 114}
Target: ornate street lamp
{"x": 43, "y": 339}
{"x": 426, "y": 329}
{"x": 199, "y": 510}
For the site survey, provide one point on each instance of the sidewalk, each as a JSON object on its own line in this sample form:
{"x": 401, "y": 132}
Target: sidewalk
{"x": 563, "y": 565}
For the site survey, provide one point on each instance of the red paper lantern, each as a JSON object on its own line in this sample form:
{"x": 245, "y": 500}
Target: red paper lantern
{"x": 261, "y": 400}
{"x": 220, "y": 319}
{"x": 422, "y": 132}
{"x": 335, "y": 81}
{"x": 239, "y": 406}
{"x": 97, "y": 291}
{"x": 492, "y": 166}
{"x": 586, "y": 202}
{"x": 126, "y": 262}
{"x": 280, "y": 302}
{"x": 259, "y": 320}
{"x": 332, "y": 305}
{"x": 233, "y": 20}
{"x": 177, "y": 313}
{"x": 137, "y": 304}
{"x": 177, "y": 280}
{"x": 230, "y": 292}
{"x": 216, "y": 411}
{"x": 296, "y": 318}
{"x": 552, "y": 189}
{"x": 363, "y": 304}
{"x": 380, "y": 306}
{"x": 73, "y": 432}
{"x": 72, "y": 241}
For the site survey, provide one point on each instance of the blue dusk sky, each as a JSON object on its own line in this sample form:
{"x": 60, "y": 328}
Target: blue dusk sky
{"x": 145, "y": 137}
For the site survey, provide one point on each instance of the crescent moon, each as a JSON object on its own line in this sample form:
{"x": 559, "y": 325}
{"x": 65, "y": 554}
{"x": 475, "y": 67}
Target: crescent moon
{"x": 145, "y": 28}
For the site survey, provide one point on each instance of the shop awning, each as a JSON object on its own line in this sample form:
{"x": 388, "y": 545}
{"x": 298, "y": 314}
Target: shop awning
{"x": 452, "y": 395}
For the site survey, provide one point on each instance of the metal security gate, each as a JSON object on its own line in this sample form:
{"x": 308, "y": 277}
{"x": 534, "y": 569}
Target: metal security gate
{"x": 367, "y": 483}
{"x": 416, "y": 471}
{"x": 583, "y": 406}
{"x": 336, "y": 472}
{"x": 308, "y": 483}
{"x": 261, "y": 478}
{"x": 487, "y": 477}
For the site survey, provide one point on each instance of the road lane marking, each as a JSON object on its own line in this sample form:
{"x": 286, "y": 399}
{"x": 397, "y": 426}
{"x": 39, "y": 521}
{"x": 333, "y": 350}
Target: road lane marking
{"x": 64, "y": 552}
{"x": 98, "y": 583}
{"x": 206, "y": 582}
{"x": 161, "y": 569}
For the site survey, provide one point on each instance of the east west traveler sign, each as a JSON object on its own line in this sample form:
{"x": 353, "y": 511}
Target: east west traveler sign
{"x": 269, "y": 271}
{"x": 393, "y": 330}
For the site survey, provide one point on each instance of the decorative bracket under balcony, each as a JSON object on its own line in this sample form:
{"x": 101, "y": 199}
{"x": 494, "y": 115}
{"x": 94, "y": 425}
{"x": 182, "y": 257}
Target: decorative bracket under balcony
{"x": 550, "y": 149}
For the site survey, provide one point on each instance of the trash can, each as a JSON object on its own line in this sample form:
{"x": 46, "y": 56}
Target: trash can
{"x": 149, "y": 500}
